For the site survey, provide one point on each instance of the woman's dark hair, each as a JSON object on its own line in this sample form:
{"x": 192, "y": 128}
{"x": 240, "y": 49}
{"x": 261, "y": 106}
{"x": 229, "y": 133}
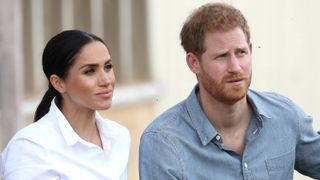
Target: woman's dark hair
{"x": 57, "y": 58}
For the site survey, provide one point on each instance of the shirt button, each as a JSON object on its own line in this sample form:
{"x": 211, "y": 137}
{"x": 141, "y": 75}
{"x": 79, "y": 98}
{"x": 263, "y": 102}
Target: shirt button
{"x": 218, "y": 137}
{"x": 245, "y": 165}
{"x": 255, "y": 131}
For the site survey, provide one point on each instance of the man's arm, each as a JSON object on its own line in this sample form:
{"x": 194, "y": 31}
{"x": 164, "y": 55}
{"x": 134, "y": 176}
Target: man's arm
{"x": 158, "y": 158}
{"x": 308, "y": 149}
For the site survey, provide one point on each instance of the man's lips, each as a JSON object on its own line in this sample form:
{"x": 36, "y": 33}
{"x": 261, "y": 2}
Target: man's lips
{"x": 236, "y": 82}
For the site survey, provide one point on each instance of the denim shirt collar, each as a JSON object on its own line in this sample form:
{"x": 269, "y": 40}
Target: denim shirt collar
{"x": 198, "y": 118}
{"x": 260, "y": 110}
{"x": 201, "y": 123}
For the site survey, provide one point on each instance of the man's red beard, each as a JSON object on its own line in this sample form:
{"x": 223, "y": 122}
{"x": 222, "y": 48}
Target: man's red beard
{"x": 225, "y": 92}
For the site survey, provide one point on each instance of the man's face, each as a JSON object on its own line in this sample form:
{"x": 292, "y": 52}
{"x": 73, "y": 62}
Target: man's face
{"x": 225, "y": 67}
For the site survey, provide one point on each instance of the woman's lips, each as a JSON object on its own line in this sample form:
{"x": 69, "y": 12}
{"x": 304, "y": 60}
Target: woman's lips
{"x": 105, "y": 94}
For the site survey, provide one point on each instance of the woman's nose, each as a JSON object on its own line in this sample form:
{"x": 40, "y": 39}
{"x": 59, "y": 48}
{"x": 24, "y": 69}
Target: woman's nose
{"x": 104, "y": 78}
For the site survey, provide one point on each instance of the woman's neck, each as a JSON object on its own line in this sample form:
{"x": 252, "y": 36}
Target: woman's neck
{"x": 84, "y": 124}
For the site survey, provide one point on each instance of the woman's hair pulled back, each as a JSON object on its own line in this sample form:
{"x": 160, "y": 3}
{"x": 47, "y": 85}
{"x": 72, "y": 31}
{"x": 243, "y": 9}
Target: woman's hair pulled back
{"x": 57, "y": 58}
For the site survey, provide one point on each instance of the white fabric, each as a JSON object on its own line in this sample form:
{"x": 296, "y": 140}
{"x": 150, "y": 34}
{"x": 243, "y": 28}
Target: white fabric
{"x": 51, "y": 149}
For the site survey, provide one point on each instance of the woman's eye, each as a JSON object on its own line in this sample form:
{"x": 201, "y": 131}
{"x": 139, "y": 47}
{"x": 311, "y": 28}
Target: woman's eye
{"x": 89, "y": 71}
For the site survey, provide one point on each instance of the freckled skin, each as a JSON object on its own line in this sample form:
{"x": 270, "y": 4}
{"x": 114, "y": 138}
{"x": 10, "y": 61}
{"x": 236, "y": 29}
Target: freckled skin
{"x": 224, "y": 69}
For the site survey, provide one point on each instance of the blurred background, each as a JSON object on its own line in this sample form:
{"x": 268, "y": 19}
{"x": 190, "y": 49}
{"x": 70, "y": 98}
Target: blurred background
{"x": 143, "y": 38}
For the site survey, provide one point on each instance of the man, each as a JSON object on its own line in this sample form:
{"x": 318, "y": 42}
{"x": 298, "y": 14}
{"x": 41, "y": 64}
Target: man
{"x": 223, "y": 130}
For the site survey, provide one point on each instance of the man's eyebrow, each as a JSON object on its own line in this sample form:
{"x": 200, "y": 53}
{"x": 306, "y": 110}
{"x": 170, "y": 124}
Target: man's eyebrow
{"x": 216, "y": 54}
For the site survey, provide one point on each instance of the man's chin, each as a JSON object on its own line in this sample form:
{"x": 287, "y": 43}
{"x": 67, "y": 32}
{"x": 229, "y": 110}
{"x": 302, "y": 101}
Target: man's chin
{"x": 231, "y": 101}
{"x": 231, "y": 98}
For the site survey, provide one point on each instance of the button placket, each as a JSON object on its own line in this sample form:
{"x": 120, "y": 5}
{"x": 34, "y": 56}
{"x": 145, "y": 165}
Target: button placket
{"x": 245, "y": 169}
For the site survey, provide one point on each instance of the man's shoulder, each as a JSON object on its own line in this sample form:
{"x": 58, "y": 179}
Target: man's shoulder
{"x": 268, "y": 97}
{"x": 272, "y": 103}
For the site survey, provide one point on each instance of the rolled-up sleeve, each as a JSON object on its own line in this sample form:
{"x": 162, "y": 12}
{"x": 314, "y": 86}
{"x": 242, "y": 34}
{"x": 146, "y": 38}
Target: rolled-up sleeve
{"x": 308, "y": 149}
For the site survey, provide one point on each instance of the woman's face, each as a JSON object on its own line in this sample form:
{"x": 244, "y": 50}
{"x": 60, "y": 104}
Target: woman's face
{"x": 91, "y": 80}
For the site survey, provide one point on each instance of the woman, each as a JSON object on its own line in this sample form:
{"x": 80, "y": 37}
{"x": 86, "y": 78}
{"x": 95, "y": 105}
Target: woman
{"x": 69, "y": 139}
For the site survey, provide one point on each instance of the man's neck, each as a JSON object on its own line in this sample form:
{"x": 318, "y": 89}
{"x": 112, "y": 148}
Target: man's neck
{"x": 230, "y": 121}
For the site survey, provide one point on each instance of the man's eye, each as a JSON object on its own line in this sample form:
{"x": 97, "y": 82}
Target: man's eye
{"x": 222, "y": 56}
{"x": 107, "y": 67}
{"x": 242, "y": 53}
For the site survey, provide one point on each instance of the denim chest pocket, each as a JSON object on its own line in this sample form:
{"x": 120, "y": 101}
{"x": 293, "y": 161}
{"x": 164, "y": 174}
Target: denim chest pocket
{"x": 281, "y": 167}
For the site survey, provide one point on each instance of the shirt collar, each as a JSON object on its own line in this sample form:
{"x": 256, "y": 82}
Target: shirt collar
{"x": 201, "y": 123}
{"x": 68, "y": 133}
{"x": 260, "y": 109}
{"x": 198, "y": 119}
{"x": 70, "y": 136}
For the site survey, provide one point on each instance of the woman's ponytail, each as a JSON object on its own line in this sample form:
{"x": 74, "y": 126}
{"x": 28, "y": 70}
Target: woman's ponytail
{"x": 43, "y": 107}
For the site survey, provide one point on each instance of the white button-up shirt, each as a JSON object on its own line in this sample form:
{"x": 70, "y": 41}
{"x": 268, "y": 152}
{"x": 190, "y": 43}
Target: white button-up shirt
{"x": 51, "y": 149}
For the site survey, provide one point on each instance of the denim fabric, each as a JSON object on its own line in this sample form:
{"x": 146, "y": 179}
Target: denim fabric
{"x": 182, "y": 144}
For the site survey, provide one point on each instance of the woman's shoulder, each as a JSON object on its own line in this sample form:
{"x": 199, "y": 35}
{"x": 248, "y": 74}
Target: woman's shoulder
{"x": 24, "y": 151}
{"x": 116, "y": 127}
{"x": 27, "y": 142}
{"x": 112, "y": 128}
{"x": 37, "y": 132}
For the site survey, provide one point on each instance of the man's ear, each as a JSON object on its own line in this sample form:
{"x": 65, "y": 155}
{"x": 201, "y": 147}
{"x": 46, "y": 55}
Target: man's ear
{"x": 250, "y": 48}
{"x": 57, "y": 83}
{"x": 193, "y": 62}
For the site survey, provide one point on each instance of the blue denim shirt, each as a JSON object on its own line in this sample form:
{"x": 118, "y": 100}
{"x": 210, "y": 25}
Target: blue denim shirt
{"x": 182, "y": 144}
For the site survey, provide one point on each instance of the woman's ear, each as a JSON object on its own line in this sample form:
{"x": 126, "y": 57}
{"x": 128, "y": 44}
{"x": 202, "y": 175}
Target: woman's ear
{"x": 57, "y": 83}
{"x": 193, "y": 62}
